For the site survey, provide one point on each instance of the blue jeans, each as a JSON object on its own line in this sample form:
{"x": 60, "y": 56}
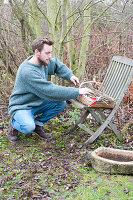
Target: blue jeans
{"x": 25, "y": 120}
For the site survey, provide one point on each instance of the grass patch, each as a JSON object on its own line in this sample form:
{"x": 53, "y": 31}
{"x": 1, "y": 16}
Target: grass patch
{"x": 101, "y": 186}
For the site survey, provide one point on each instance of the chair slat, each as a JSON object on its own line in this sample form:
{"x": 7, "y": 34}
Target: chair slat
{"x": 107, "y": 78}
{"x": 123, "y": 81}
{"x": 120, "y": 76}
{"x": 118, "y": 79}
{"x": 114, "y": 80}
{"x": 124, "y": 60}
{"x": 116, "y": 76}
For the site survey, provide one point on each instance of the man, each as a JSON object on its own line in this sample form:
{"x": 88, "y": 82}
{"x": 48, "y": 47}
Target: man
{"x": 35, "y": 100}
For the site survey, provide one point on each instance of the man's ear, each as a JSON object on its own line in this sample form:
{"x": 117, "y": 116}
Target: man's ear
{"x": 37, "y": 53}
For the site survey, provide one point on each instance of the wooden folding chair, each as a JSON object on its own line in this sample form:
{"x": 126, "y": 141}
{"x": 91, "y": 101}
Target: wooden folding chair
{"x": 115, "y": 84}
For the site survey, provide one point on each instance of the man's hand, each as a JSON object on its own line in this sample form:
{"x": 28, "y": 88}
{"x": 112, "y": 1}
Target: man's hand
{"x": 85, "y": 91}
{"x": 75, "y": 80}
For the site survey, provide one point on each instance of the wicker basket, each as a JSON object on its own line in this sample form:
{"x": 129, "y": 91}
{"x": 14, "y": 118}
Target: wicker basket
{"x": 91, "y": 100}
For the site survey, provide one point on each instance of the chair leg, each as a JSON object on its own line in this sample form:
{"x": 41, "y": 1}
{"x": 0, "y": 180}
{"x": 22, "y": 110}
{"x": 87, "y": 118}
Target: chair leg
{"x": 117, "y": 133}
{"x": 80, "y": 121}
{"x": 97, "y": 118}
{"x": 113, "y": 127}
{"x": 102, "y": 127}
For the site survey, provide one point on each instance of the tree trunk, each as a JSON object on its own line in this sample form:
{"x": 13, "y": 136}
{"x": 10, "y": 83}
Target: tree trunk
{"x": 84, "y": 43}
{"x": 52, "y": 15}
{"x": 34, "y": 18}
{"x": 25, "y": 26}
{"x": 70, "y": 38}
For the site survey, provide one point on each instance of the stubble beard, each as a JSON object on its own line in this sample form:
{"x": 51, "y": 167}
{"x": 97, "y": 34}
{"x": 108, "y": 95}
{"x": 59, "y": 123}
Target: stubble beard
{"x": 42, "y": 62}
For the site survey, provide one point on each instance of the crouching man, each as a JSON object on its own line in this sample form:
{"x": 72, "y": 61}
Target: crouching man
{"x": 35, "y": 100}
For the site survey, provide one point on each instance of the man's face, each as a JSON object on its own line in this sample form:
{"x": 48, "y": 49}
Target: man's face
{"x": 45, "y": 54}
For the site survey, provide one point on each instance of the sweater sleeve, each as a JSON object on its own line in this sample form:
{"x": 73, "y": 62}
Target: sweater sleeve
{"x": 46, "y": 89}
{"x": 59, "y": 68}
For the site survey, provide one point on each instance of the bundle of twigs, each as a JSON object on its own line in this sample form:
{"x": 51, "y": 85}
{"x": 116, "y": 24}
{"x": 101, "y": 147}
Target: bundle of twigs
{"x": 100, "y": 96}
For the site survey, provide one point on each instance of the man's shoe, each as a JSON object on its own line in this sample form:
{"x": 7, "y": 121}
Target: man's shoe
{"x": 12, "y": 133}
{"x": 40, "y": 132}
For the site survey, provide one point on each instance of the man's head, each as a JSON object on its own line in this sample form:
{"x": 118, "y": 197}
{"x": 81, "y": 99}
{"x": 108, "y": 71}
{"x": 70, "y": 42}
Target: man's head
{"x": 42, "y": 49}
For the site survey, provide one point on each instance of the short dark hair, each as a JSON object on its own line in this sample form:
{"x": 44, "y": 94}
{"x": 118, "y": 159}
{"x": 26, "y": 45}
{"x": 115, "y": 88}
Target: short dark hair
{"x": 39, "y": 42}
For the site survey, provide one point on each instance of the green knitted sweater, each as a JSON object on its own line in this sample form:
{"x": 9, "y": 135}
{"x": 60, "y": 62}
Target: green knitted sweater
{"x": 32, "y": 88}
